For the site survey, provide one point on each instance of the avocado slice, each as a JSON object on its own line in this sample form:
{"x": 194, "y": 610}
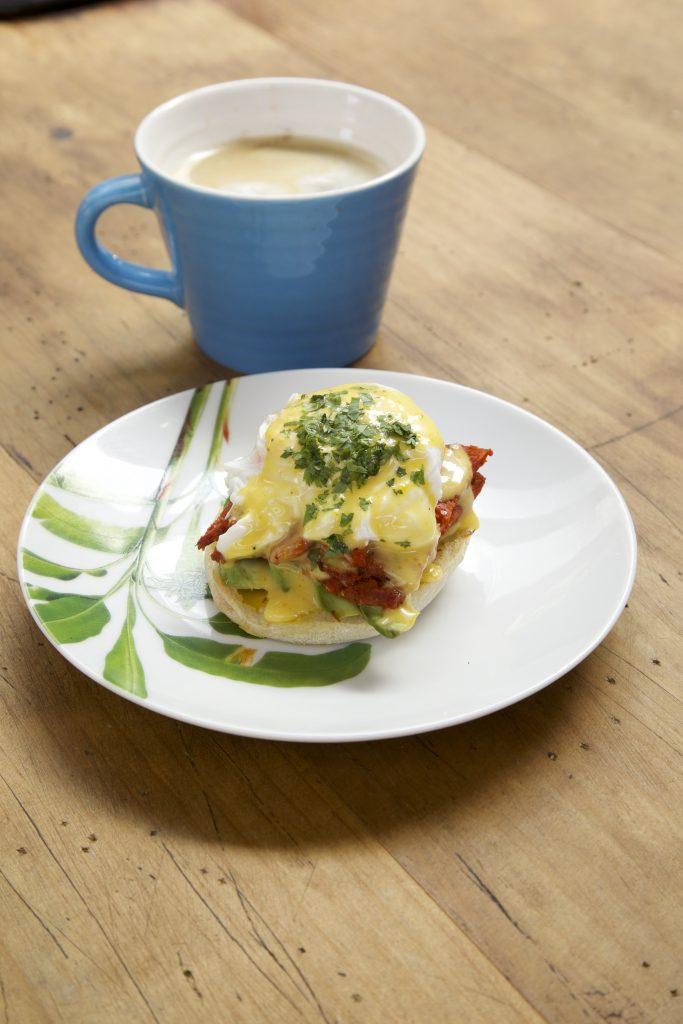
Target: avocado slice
{"x": 389, "y": 623}
{"x": 337, "y": 606}
{"x": 246, "y": 574}
{"x": 280, "y": 575}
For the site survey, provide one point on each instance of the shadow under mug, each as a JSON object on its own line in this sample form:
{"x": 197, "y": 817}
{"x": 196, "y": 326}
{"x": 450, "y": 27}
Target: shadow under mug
{"x": 268, "y": 282}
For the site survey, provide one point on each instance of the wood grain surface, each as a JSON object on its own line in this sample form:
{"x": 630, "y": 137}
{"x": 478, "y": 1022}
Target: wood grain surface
{"x": 524, "y": 867}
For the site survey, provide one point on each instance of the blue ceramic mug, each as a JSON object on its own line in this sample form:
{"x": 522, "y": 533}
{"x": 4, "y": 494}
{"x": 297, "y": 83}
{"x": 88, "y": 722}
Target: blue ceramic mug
{"x": 268, "y": 282}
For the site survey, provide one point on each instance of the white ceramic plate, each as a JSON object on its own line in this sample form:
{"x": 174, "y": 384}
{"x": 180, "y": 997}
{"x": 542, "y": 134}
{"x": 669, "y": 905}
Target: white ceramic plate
{"x": 112, "y": 577}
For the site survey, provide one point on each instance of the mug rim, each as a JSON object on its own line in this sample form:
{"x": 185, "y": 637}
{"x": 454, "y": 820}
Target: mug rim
{"x": 410, "y": 161}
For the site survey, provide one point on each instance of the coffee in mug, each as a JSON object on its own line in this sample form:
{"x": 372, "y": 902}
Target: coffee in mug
{"x": 280, "y": 165}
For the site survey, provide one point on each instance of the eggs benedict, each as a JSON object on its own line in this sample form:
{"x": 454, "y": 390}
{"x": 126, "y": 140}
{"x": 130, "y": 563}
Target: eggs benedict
{"x": 345, "y": 519}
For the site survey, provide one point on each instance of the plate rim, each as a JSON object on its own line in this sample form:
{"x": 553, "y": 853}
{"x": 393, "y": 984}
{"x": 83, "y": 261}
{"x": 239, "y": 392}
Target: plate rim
{"x": 287, "y": 736}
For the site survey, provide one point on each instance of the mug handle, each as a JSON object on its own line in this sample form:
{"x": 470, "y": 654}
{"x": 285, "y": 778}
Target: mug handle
{"x": 127, "y": 188}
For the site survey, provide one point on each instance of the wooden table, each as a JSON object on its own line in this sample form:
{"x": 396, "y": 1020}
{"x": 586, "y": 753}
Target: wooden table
{"x": 519, "y": 868}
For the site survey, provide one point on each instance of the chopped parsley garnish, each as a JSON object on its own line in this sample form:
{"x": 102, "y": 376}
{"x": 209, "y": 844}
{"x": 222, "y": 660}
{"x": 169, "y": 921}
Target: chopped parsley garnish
{"x": 345, "y": 518}
{"x": 398, "y": 490}
{"x": 336, "y": 544}
{"x": 339, "y": 447}
{"x": 418, "y": 477}
{"x": 364, "y": 504}
{"x": 403, "y": 543}
{"x": 310, "y": 513}
{"x": 400, "y": 471}
{"x": 390, "y": 483}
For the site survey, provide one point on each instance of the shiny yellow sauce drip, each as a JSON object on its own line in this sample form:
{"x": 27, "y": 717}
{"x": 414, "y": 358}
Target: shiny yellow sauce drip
{"x": 285, "y": 606}
{"x": 432, "y": 574}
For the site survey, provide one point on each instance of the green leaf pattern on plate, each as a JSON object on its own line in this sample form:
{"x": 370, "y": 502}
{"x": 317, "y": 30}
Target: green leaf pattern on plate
{"x": 275, "y": 668}
{"x": 73, "y": 618}
{"x": 44, "y": 567}
{"x": 87, "y": 533}
{"x": 69, "y": 618}
{"x": 122, "y": 666}
{"x": 222, "y": 624}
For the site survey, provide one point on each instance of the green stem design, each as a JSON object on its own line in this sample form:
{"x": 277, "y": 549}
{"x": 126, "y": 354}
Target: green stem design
{"x": 220, "y": 429}
{"x": 189, "y": 558}
{"x": 192, "y": 417}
